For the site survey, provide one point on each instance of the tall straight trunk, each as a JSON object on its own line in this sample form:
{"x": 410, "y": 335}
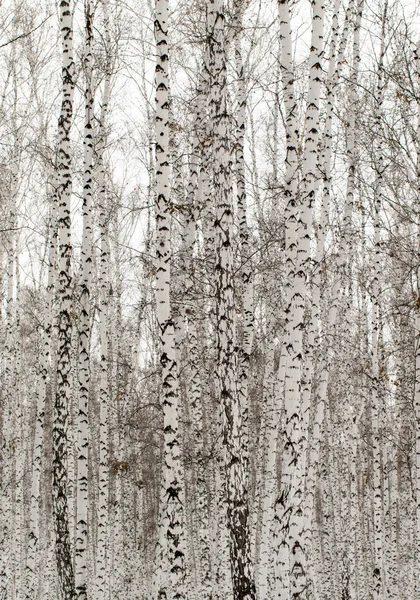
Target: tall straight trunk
{"x": 378, "y": 575}
{"x": 84, "y": 327}
{"x": 235, "y": 488}
{"x": 325, "y": 166}
{"x": 296, "y": 413}
{"x": 282, "y": 508}
{"x": 195, "y": 388}
{"x": 172, "y": 513}
{"x": 246, "y": 271}
{"x": 101, "y": 574}
{"x": 292, "y": 141}
{"x": 62, "y": 397}
{"x": 392, "y": 559}
{"x": 72, "y": 421}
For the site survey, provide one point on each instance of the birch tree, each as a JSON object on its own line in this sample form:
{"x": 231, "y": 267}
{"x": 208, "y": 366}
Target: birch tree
{"x": 172, "y": 498}
{"x": 62, "y": 398}
{"x": 102, "y": 576}
{"x": 296, "y": 413}
{"x": 84, "y": 331}
{"x": 376, "y": 399}
{"x": 232, "y": 415}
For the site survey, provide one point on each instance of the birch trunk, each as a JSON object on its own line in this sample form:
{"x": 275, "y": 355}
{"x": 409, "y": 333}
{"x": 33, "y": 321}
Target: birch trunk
{"x": 282, "y": 514}
{"x": 235, "y": 488}
{"x": 296, "y": 412}
{"x": 62, "y": 397}
{"x": 314, "y": 332}
{"x": 335, "y": 68}
{"x": 101, "y": 571}
{"x": 84, "y": 331}
{"x": 247, "y": 280}
{"x": 376, "y": 399}
{"x": 172, "y": 524}
{"x": 195, "y": 390}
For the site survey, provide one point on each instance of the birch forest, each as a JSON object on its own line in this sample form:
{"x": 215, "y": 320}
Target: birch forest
{"x": 210, "y": 300}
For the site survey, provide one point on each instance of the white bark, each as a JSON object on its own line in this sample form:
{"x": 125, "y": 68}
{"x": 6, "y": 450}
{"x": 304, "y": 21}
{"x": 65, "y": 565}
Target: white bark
{"x": 84, "y": 327}
{"x": 102, "y": 556}
{"x": 247, "y": 275}
{"x": 62, "y": 397}
{"x": 291, "y": 213}
{"x": 296, "y": 413}
{"x": 172, "y": 583}
{"x": 378, "y": 575}
{"x": 235, "y": 488}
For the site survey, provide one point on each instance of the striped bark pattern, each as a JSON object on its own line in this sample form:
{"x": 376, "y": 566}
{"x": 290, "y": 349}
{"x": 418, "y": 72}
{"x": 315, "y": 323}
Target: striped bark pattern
{"x": 247, "y": 279}
{"x": 172, "y": 523}
{"x": 84, "y": 325}
{"x": 102, "y": 575}
{"x": 325, "y": 166}
{"x": 298, "y": 254}
{"x": 195, "y": 391}
{"x": 282, "y": 505}
{"x": 62, "y": 397}
{"x": 376, "y": 397}
{"x": 227, "y": 359}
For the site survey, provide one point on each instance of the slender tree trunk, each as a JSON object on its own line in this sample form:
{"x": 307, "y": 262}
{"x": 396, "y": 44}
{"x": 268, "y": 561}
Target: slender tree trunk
{"x": 195, "y": 389}
{"x": 234, "y": 477}
{"x": 282, "y": 505}
{"x": 247, "y": 275}
{"x": 84, "y": 327}
{"x": 102, "y": 556}
{"x": 172, "y": 584}
{"x": 62, "y": 397}
{"x": 376, "y": 399}
{"x": 296, "y": 411}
